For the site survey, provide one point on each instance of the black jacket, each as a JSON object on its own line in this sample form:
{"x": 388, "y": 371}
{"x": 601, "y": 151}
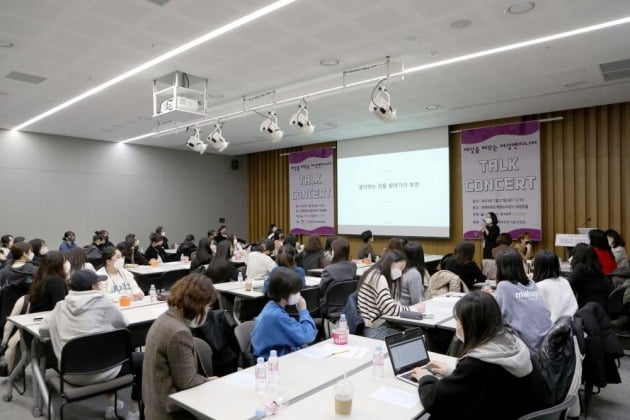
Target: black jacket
{"x": 589, "y": 287}
{"x": 153, "y": 253}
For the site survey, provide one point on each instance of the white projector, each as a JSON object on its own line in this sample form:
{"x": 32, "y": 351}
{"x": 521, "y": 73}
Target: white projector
{"x": 182, "y": 104}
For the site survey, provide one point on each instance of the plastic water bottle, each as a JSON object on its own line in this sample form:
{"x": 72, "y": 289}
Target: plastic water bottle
{"x": 240, "y": 279}
{"x": 261, "y": 376}
{"x": 273, "y": 371}
{"x": 153, "y": 293}
{"x": 260, "y": 413}
{"x": 342, "y": 325}
{"x": 378, "y": 362}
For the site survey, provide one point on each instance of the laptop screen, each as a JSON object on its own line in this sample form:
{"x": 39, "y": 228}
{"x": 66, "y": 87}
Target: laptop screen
{"x": 407, "y": 351}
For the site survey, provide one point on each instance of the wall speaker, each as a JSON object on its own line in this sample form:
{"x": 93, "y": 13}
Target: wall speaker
{"x": 235, "y": 164}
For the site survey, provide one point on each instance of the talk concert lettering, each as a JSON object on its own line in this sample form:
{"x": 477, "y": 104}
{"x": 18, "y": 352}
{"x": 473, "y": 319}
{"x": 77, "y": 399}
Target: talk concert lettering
{"x": 505, "y": 182}
{"x": 312, "y": 193}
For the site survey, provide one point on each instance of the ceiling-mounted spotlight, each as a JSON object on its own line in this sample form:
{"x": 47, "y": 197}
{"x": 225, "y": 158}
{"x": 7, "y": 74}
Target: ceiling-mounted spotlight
{"x": 195, "y": 143}
{"x": 270, "y": 129}
{"x": 380, "y": 103}
{"x": 301, "y": 121}
{"x": 216, "y": 139}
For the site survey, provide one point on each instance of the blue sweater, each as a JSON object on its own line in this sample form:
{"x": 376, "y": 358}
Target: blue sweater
{"x": 275, "y": 329}
{"x": 298, "y": 270}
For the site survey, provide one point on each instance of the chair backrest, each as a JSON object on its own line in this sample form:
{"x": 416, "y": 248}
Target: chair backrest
{"x": 170, "y": 277}
{"x": 336, "y": 297}
{"x": 489, "y": 269}
{"x": 311, "y": 296}
{"x": 85, "y": 354}
{"x": 557, "y": 412}
{"x": 204, "y": 356}
{"x": 243, "y": 333}
{"x": 615, "y": 302}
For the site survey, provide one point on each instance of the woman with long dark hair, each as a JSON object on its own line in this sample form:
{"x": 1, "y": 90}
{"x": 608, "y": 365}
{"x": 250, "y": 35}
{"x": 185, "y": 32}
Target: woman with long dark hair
{"x": 220, "y": 269}
{"x": 379, "y": 292}
{"x": 412, "y": 282}
{"x": 521, "y": 303}
{"x": 462, "y": 264}
{"x": 49, "y": 285}
{"x": 555, "y": 290}
{"x": 605, "y": 257}
{"x": 312, "y": 256}
{"x": 617, "y": 246}
{"x": 203, "y": 255}
{"x": 494, "y": 377}
{"x": 340, "y": 268}
{"x": 586, "y": 278}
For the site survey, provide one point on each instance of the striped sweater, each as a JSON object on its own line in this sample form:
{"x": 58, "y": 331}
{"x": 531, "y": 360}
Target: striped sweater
{"x": 376, "y": 300}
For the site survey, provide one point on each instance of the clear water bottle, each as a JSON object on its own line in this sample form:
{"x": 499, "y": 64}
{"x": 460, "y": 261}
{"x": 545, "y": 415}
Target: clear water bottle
{"x": 153, "y": 293}
{"x": 378, "y": 361}
{"x": 343, "y": 322}
{"x": 261, "y": 376}
{"x": 273, "y": 371}
{"x": 240, "y": 279}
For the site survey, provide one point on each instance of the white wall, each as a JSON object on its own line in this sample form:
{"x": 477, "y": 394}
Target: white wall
{"x": 50, "y": 184}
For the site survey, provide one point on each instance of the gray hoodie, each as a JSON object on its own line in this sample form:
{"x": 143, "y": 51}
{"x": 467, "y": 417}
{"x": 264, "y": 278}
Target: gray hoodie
{"x": 505, "y": 350}
{"x": 21, "y": 276}
{"x": 82, "y": 313}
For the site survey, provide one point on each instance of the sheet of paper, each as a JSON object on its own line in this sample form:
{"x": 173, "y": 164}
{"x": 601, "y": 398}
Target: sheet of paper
{"x": 246, "y": 380}
{"x": 158, "y": 309}
{"x": 396, "y": 396}
{"x": 317, "y": 353}
{"x": 347, "y": 352}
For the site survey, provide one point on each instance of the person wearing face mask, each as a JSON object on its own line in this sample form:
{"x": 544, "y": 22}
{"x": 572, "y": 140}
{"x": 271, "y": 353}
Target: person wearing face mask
{"x": 119, "y": 282}
{"x": 494, "y": 377}
{"x": 170, "y": 362}
{"x": 274, "y": 328}
{"x": 378, "y": 294}
{"x": 67, "y": 243}
{"x": 617, "y": 245}
{"x": 160, "y": 231}
{"x": 286, "y": 258}
{"x": 106, "y": 242}
{"x": 156, "y": 250}
{"x": 130, "y": 251}
{"x": 365, "y": 249}
{"x": 39, "y": 250}
{"x": 76, "y": 260}
{"x": 490, "y": 231}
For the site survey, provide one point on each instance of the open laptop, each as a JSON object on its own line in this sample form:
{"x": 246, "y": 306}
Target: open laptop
{"x": 407, "y": 350}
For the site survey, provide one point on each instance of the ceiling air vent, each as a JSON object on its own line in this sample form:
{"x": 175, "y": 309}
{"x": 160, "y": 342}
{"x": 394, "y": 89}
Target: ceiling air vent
{"x": 24, "y": 77}
{"x": 159, "y": 2}
{"x": 616, "y": 70}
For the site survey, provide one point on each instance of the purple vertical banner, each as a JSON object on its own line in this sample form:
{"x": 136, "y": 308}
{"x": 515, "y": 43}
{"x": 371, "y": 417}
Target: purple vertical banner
{"x": 501, "y": 174}
{"x": 312, "y": 192}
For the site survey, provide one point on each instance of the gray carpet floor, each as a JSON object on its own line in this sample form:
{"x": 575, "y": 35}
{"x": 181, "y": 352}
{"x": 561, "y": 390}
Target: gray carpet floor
{"x": 612, "y": 403}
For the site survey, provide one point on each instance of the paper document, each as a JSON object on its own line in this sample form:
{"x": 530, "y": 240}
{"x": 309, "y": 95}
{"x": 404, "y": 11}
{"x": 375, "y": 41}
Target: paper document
{"x": 395, "y": 396}
{"x": 321, "y": 352}
{"x": 242, "y": 379}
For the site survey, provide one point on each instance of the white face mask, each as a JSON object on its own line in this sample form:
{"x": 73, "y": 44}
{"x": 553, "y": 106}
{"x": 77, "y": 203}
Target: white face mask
{"x": 31, "y": 255}
{"x": 67, "y": 267}
{"x": 163, "y": 233}
{"x": 396, "y": 273}
{"x": 196, "y": 323}
{"x": 43, "y": 250}
{"x": 119, "y": 264}
{"x": 294, "y": 299}
{"x": 488, "y": 220}
{"x": 136, "y": 243}
{"x": 611, "y": 242}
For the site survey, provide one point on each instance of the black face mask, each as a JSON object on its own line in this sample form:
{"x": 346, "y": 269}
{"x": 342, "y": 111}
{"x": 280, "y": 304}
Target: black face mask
{"x": 106, "y": 239}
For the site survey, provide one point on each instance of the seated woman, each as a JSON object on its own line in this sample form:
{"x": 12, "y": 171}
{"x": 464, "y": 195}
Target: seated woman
{"x": 462, "y": 264}
{"x": 586, "y": 278}
{"x": 259, "y": 262}
{"x": 77, "y": 260}
{"x": 187, "y": 247}
{"x": 274, "y": 328}
{"x": 555, "y": 290}
{"x": 160, "y": 231}
{"x": 40, "y": 249}
{"x": 312, "y": 256}
{"x": 170, "y": 362}
{"x": 605, "y": 257}
{"x": 220, "y": 269}
{"x": 504, "y": 241}
{"x": 130, "y": 251}
{"x": 414, "y": 276}
{"x": 524, "y": 246}
{"x": 340, "y": 268}
{"x": 203, "y": 255}
{"x": 286, "y": 258}
{"x": 365, "y": 249}
{"x": 521, "y": 303}
{"x": 617, "y": 246}
{"x": 49, "y": 285}
{"x": 378, "y": 291}
{"x": 155, "y": 251}
{"x": 119, "y": 282}
{"x": 328, "y": 248}
{"x": 494, "y": 377}
{"x": 67, "y": 242}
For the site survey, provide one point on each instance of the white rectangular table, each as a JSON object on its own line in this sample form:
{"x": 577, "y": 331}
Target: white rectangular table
{"x": 144, "y": 270}
{"x": 440, "y": 306}
{"x": 226, "y": 398}
{"x": 320, "y": 405}
{"x": 238, "y": 289}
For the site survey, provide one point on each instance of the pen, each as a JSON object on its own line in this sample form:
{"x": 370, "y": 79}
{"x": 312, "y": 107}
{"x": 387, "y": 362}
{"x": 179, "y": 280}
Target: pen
{"x": 342, "y": 351}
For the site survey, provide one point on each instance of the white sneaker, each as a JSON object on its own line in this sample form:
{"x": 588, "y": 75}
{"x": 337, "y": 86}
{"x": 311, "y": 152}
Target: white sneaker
{"x": 133, "y": 415}
{"x": 109, "y": 411}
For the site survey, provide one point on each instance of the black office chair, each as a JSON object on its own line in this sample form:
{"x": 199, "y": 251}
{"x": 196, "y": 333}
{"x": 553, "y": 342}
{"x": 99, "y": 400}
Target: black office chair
{"x": 169, "y": 278}
{"x": 84, "y": 355}
{"x": 204, "y": 356}
{"x": 243, "y": 334}
{"x": 335, "y": 298}
{"x": 616, "y": 312}
{"x": 557, "y": 412}
{"x": 311, "y": 296}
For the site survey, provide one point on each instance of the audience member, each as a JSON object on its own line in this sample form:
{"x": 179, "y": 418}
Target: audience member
{"x": 6, "y": 243}
{"x": 414, "y": 276}
{"x": 187, "y": 247}
{"x": 365, "y": 248}
{"x": 160, "y": 231}
{"x": 170, "y": 362}
{"x": 130, "y": 250}
{"x": 203, "y": 255}
{"x": 221, "y": 235}
{"x": 274, "y": 328}
{"x": 155, "y": 251}
{"x": 49, "y": 285}
{"x": 94, "y": 250}
{"x": 490, "y": 231}
{"x": 605, "y": 257}
{"x": 106, "y": 242}
{"x": 67, "y": 243}
{"x": 521, "y": 303}
{"x": 617, "y": 246}
{"x": 272, "y": 229}
{"x": 75, "y": 261}
{"x": 494, "y": 377}
{"x": 504, "y": 241}
{"x": 259, "y": 262}
{"x": 39, "y": 250}
{"x": 377, "y": 294}
{"x": 312, "y": 256}
{"x": 462, "y": 264}
{"x": 213, "y": 243}
{"x": 555, "y": 290}
{"x": 340, "y": 268}
{"x": 586, "y": 278}
{"x": 286, "y": 258}
{"x": 220, "y": 269}
{"x": 328, "y": 248}
{"x": 524, "y": 246}
{"x": 118, "y": 281}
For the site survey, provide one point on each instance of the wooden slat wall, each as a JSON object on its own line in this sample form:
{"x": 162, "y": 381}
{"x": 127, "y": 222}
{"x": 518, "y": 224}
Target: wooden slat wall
{"x": 583, "y": 158}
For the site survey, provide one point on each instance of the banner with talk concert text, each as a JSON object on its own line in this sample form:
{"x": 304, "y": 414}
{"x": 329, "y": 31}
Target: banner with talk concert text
{"x": 311, "y": 192}
{"x": 501, "y": 174}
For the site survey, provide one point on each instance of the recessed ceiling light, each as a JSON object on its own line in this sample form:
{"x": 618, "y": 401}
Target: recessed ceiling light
{"x": 432, "y": 107}
{"x": 6, "y": 44}
{"x": 410, "y": 39}
{"x": 520, "y": 8}
{"x": 461, "y": 24}
{"x": 329, "y": 62}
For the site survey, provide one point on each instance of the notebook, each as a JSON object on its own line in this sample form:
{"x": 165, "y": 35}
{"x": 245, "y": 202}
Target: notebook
{"x": 407, "y": 350}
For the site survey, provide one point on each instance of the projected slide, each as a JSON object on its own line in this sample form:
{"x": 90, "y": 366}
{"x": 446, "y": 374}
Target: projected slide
{"x": 395, "y": 191}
